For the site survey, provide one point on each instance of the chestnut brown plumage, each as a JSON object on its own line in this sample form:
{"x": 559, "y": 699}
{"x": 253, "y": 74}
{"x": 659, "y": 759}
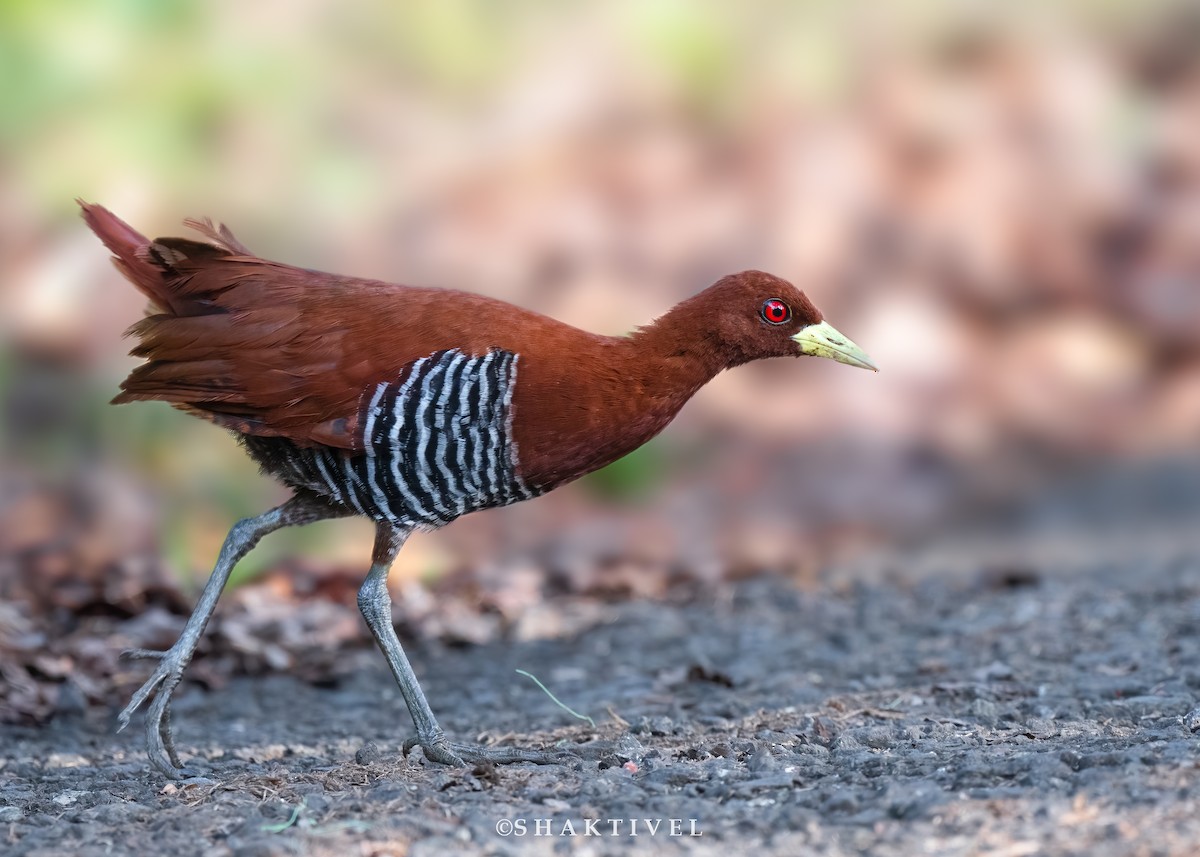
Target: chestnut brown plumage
{"x": 411, "y": 406}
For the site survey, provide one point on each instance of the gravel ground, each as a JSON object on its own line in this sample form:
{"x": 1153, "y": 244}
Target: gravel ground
{"x": 1007, "y": 695}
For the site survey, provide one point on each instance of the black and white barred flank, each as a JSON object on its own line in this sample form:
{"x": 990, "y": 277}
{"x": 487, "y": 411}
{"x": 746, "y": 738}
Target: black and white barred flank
{"x": 437, "y": 444}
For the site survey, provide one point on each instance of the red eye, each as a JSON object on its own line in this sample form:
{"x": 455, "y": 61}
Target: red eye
{"x": 775, "y": 311}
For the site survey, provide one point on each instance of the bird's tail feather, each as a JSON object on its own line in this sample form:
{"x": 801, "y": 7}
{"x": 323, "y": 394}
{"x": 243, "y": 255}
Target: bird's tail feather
{"x": 159, "y": 268}
{"x": 130, "y": 253}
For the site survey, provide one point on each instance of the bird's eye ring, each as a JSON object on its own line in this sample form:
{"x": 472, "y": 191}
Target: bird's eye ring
{"x": 775, "y": 311}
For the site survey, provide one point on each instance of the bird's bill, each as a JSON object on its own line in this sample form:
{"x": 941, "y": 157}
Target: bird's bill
{"x": 822, "y": 340}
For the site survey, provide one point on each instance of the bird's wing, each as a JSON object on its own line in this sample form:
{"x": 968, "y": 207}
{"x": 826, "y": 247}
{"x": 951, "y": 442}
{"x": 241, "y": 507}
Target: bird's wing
{"x": 272, "y": 350}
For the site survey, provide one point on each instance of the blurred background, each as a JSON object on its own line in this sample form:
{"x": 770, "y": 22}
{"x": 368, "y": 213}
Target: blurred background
{"x": 999, "y": 202}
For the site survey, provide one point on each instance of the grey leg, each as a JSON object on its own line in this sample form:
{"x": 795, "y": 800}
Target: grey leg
{"x": 244, "y": 535}
{"x": 376, "y": 605}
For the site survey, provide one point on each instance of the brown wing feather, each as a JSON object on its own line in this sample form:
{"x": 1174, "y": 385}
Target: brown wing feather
{"x": 268, "y": 349}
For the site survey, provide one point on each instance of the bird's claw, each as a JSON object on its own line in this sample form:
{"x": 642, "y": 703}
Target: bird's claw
{"x": 456, "y": 754}
{"x": 160, "y": 745}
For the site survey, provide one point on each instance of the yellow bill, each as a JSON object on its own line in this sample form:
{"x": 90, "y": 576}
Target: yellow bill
{"x": 822, "y": 340}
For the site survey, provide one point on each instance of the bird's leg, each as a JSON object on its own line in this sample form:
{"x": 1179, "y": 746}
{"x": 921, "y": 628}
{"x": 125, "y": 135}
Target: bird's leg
{"x": 243, "y": 536}
{"x": 376, "y": 606}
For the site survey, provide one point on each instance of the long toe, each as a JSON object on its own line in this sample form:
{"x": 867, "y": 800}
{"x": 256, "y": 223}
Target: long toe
{"x": 144, "y": 654}
{"x": 457, "y": 754}
{"x": 165, "y": 677}
{"x": 160, "y": 745}
{"x": 161, "y": 684}
{"x": 168, "y": 739}
{"x": 475, "y": 753}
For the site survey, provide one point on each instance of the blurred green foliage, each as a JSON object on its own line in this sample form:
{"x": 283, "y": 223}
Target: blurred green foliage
{"x": 633, "y": 477}
{"x": 154, "y": 92}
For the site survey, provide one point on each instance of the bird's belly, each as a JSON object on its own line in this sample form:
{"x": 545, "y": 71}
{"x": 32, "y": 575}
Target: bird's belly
{"x": 387, "y": 488}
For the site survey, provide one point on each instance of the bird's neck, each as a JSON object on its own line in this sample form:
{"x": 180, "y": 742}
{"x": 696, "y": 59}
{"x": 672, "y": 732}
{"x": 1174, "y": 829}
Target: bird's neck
{"x": 664, "y": 378}
{"x": 613, "y": 397}
{"x": 678, "y": 353}
{"x": 659, "y": 368}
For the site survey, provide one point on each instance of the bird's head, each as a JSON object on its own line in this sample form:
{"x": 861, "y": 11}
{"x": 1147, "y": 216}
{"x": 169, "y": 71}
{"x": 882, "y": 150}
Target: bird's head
{"x": 756, "y": 315}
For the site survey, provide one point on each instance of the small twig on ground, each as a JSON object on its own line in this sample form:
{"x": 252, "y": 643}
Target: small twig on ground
{"x": 621, "y": 721}
{"x": 284, "y": 825}
{"x": 556, "y": 700}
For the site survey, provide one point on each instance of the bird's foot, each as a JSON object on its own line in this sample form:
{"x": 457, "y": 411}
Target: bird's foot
{"x": 160, "y": 745}
{"x": 438, "y": 749}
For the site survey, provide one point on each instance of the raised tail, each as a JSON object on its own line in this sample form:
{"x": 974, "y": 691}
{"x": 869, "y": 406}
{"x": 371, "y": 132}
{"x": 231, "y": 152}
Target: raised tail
{"x": 158, "y": 268}
{"x": 131, "y": 253}
{"x": 188, "y": 334}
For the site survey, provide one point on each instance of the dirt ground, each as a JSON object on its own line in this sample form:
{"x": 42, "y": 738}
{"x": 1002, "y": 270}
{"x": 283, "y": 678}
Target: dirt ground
{"x": 1017, "y": 690}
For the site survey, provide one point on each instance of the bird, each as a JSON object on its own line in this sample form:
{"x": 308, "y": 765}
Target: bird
{"x": 410, "y": 406}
